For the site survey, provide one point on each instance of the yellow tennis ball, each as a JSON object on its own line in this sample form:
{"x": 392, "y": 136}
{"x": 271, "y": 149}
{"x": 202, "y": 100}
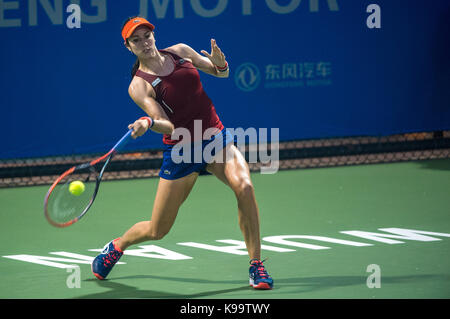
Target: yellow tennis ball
{"x": 76, "y": 188}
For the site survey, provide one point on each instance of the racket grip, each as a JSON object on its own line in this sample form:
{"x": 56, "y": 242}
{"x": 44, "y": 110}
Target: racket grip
{"x": 123, "y": 141}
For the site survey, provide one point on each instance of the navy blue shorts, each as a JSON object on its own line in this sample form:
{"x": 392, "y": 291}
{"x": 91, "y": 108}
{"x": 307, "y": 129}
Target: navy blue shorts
{"x": 172, "y": 168}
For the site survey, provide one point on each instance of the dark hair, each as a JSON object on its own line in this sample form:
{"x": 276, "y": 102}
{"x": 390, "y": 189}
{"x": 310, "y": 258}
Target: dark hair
{"x": 136, "y": 64}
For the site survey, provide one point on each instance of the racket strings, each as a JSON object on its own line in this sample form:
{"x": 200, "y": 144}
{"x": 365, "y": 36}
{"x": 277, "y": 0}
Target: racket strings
{"x": 64, "y": 205}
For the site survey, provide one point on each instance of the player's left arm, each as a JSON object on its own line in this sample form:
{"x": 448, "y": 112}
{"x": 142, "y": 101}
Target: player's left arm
{"x": 213, "y": 63}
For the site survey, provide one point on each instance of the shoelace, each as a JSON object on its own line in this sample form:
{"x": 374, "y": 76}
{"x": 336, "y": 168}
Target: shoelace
{"x": 261, "y": 271}
{"x": 111, "y": 258}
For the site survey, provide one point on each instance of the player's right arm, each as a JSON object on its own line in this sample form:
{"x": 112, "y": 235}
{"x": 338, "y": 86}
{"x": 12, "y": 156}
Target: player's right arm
{"x": 143, "y": 95}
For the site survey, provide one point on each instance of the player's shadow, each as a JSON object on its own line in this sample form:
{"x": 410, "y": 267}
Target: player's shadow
{"x": 118, "y": 290}
{"x": 282, "y": 285}
{"x": 437, "y": 164}
{"x": 310, "y": 284}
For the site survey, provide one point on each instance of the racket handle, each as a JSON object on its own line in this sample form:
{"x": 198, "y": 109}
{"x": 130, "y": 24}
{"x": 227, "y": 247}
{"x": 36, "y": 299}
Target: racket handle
{"x": 123, "y": 141}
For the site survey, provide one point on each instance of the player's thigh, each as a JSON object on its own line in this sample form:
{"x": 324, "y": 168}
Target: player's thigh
{"x": 231, "y": 167}
{"x": 169, "y": 197}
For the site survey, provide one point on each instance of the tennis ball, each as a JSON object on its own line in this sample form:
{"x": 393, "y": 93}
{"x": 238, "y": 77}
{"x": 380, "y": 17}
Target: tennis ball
{"x": 76, "y": 188}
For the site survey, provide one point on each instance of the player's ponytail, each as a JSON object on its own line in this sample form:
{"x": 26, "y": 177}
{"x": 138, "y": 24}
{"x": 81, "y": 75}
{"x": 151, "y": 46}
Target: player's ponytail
{"x": 135, "y": 67}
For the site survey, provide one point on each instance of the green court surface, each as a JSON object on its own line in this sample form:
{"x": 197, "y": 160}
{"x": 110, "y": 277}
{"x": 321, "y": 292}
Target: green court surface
{"x": 321, "y": 202}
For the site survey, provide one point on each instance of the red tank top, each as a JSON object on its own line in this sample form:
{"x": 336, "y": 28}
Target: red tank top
{"x": 182, "y": 97}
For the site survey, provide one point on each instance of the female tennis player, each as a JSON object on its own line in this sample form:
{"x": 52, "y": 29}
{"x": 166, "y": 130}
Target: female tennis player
{"x": 166, "y": 85}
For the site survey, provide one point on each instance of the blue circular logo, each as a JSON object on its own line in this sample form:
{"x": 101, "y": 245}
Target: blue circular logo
{"x": 247, "y": 77}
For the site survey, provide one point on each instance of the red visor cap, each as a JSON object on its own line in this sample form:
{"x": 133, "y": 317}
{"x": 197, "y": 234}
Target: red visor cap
{"x": 131, "y": 25}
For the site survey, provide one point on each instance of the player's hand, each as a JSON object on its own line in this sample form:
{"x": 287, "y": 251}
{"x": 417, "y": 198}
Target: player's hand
{"x": 139, "y": 128}
{"x": 216, "y": 57}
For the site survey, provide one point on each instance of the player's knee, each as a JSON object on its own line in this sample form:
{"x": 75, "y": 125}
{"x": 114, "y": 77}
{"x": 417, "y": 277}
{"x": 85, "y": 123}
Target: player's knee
{"x": 244, "y": 189}
{"x": 156, "y": 233}
{"x": 159, "y": 235}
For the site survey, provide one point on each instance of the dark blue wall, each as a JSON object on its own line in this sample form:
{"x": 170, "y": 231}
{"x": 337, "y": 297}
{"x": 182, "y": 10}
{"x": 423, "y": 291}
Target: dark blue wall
{"x": 313, "y": 71}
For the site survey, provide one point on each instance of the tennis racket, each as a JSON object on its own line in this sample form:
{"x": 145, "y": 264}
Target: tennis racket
{"x": 62, "y": 205}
